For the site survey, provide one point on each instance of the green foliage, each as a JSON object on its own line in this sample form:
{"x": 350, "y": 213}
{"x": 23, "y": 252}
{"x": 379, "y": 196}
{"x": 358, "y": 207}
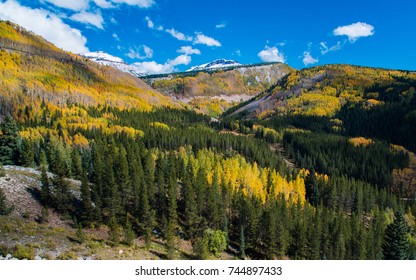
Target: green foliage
{"x": 81, "y": 236}
{"x": 335, "y": 155}
{"x": 8, "y": 141}
{"x": 396, "y": 244}
{"x": 129, "y": 235}
{"x": 200, "y": 248}
{"x": 216, "y": 241}
{"x": 114, "y": 231}
{"x": 24, "y": 252}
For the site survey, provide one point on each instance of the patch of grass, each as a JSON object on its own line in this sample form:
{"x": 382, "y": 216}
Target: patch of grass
{"x": 23, "y": 252}
{"x": 67, "y": 255}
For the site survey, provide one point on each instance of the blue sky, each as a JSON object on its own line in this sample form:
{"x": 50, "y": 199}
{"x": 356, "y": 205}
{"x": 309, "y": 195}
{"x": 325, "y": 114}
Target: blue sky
{"x": 173, "y": 35}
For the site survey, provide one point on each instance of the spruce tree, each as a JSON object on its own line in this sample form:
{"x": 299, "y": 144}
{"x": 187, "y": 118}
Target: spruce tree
{"x": 45, "y": 188}
{"x": 396, "y": 244}
{"x": 8, "y": 141}
{"x": 86, "y": 204}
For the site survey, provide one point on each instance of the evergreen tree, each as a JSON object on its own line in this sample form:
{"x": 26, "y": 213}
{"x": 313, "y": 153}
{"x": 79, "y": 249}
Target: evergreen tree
{"x": 26, "y": 153}
{"x": 114, "y": 233}
{"x": 128, "y": 233}
{"x": 9, "y": 141}
{"x": 86, "y": 204}
{"x": 172, "y": 215}
{"x": 45, "y": 188}
{"x": 396, "y": 244}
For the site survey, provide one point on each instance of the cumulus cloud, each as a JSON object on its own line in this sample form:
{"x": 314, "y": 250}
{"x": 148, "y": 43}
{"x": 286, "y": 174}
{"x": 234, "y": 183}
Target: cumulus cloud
{"x": 139, "y": 3}
{"x": 221, "y": 25}
{"x": 74, "y": 5}
{"x": 104, "y": 4}
{"x": 205, "y": 40}
{"x": 152, "y": 67}
{"x": 89, "y": 18}
{"x": 308, "y": 59}
{"x": 355, "y": 31}
{"x": 183, "y": 59}
{"x": 271, "y": 54}
{"x": 179, "y": 35}
{"x": 188, "y": 50}
{"x": 46, "y": 24}
{"x": 141, "y": 52}
{"x": 325, "y": 49}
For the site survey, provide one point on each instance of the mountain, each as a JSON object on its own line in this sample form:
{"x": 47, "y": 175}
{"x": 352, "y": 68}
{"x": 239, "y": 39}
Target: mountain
{"x": 216, "y": 64}
{"x": 35, "y": 71}
{"x": 353, "y": 100}
{"x": 106, "y": 59}
{"x": 213, "y": 90}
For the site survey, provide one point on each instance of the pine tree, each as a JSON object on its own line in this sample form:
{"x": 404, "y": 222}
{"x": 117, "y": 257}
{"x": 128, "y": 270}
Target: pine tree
{"x": 172, "y": 215}
{"x": 45, "y": 188}
{"x": 8, "y": 141}
{"x": 396, "y": 244}
{"x": 128, "y": 233}
{"x": 86, "y": 204}
{"x": 26, "y": 154}
{"x": 114, "y": 233}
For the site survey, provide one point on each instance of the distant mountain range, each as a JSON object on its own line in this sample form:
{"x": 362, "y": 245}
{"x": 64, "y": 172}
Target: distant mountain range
{"x": 216, "y": 64}
{"x": 104, "y": 58}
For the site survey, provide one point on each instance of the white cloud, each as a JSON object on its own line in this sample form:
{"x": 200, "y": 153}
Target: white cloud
{"x": 152, "y": 67}
{"x": 355, "y": 31}
{"x": 150, "y": 23}
{"x": 183, "y": 59}
{"x": 89, "y": 18}
{"x": 325, "y": 49}
{"x": 46, "y": 24}
{"x": 221, "y": 25}
{"x": 104, "y": 4}
{"x": 188, "y": 50}
{"x": 178, "y": 35}
{"x": 113, "y": 20}
{"x": 139, "y": 3}
{"x": 205, "y": 40}
{"x": 271, "y": 54}
{"x": 74, "y": 5}
{"x": 141, "y": 52}
{"x": 115, "y": 36}
{"x": 308, "y": 59}
{"x": 237, "y": 53}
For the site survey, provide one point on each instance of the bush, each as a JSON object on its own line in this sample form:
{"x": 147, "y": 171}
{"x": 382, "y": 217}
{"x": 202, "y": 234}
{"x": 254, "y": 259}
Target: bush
{"x": 23, "y": 252}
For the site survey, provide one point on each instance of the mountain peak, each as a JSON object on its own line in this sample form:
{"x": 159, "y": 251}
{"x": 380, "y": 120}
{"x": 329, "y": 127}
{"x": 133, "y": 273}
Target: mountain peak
{"x": 216, "y": 64}
{"x": 102, "y": 57}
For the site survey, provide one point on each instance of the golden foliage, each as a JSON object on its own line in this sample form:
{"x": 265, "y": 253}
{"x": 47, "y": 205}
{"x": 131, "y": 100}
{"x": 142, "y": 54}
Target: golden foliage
{"x": 360, "y": 141}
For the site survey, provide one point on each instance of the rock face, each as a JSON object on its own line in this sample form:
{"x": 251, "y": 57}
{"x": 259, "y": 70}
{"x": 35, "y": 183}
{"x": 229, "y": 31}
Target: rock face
{"x": 250, "y": 80}
{"x": 219, "y": 89}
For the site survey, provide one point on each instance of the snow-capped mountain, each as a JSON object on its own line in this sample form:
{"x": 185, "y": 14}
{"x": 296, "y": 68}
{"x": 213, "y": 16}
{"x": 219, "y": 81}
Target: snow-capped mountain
{"x": 104, "y": 58}
{"x": 216, "y": 64}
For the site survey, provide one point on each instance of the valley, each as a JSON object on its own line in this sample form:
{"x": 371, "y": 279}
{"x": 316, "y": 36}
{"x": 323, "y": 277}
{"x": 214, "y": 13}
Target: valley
{"x": 226, "y": 161}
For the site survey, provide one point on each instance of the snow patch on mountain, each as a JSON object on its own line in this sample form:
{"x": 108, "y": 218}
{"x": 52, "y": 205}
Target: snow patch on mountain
{"x": 106, "y": 59}
{"x": 216, "y": 64}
